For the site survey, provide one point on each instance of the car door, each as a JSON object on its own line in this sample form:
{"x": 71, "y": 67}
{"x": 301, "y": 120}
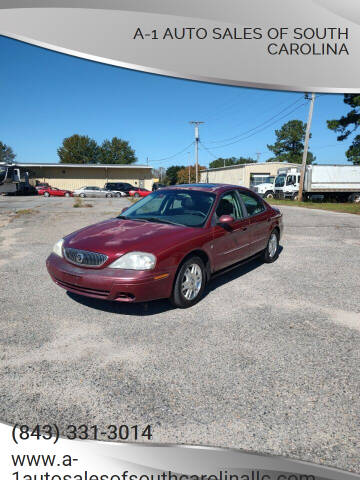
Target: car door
{"x": 259, "y": 221}
{"x": 94, "y": 192}
{"x": 231, "y": 243}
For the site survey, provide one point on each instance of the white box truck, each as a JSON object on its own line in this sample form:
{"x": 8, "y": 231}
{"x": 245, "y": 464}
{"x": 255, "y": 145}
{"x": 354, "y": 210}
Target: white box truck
{"x": 326, "y": 182}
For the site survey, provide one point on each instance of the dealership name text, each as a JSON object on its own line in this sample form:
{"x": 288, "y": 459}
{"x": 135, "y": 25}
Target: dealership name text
{"x": 282, "y": 40}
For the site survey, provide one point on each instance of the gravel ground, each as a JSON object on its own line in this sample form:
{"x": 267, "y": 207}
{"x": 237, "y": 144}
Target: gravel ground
{"x": 268, "y": 361}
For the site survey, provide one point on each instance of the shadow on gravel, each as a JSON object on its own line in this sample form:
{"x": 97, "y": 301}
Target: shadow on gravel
{"x": 160, "y": 306}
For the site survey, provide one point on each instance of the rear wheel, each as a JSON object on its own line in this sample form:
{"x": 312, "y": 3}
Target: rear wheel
{"x": 271, "y": 252}
{"x": 137, "y": 195}
{"x": 67, "y": 194}
{"x": 108, "y": 195}
{"x": 117, "y": 195}
{"x": 46, "y": 194}
{"x": 189, "y": 283}
{"x": 82, "y": 195}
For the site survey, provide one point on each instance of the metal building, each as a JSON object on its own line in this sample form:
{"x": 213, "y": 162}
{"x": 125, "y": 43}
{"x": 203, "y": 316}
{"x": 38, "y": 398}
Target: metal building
{"x": 247, "y": 175}
{"x": 72, "y": 176}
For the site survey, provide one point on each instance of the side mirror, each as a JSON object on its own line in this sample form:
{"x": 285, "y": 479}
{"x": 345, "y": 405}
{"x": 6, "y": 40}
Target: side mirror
{"x": 124, "y": 209}
{"x": 225, "y": 220}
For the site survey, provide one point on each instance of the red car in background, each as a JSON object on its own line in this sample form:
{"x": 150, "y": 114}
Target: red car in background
{"x": 168, "y": 244}
{"x": 53, "y": 192}
{"x": 139, "y": 192}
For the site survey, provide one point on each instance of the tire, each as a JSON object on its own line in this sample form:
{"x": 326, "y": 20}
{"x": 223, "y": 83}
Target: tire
{"x": 192, "y": 270}
{"x": 271, "y": 251}
{"x": 46, "y": 194}
{"x": 295, "y": 197}
{"x": 108, "y": 195}
{"x": 67, "y": 194}
{"x": 136, "y": 195}
{"x": 269, "y": 194}
{"x": 354, "y": 198}
{"x": 117, "y": 195}
{"x": 82, "y": 195}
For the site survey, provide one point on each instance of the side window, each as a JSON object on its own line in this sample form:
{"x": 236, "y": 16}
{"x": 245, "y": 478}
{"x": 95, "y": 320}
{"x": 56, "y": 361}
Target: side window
{"x": 253, "y": 205}
{"x": 229, "y": 205}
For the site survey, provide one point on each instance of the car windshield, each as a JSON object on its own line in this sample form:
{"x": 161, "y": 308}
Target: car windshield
{"x": 189, "y": 208}
{"x": 280, "y": 181}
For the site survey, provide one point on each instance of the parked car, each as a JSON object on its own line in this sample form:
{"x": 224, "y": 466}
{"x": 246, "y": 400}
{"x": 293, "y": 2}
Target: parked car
{"x": 168, "y": 245}
{"x": 53, "y": 192}
{"x": 139, "y": 192}
{"x": 122, "y": 187}
{"x": 92, "y": 192}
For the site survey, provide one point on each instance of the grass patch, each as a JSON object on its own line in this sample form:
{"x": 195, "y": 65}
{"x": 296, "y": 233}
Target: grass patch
{"x": 78, "y": 203}
{"x": 25, "y": 211}
{"x": 333, "y": 207}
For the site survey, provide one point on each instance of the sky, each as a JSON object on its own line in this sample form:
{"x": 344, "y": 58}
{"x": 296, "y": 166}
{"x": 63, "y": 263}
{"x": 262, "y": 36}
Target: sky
{"x": 46, "y": 96}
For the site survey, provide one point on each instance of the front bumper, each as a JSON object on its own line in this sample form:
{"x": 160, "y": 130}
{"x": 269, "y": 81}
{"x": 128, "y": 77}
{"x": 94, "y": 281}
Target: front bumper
{"x": 110, "y": 283}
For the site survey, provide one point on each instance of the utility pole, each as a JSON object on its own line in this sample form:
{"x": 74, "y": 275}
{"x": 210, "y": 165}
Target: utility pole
{"x": 196, "y": 125}
{"x": 258, "y": 156}
{"x": 189, "y": 167}
{"x": 306, "y": 146}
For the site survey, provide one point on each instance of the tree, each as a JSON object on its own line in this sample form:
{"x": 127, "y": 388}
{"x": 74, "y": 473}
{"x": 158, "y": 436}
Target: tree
{"x": 79, "y": 149}
{"x": 171, "y": 174}
{"x": 289, "y": 145}
{"x": 226, "y": 162}
{"x": 183, "y": 174}
{"x": 348, "y": 124}
{"x": 6, "y": 153}
{"x": 117, "y": 151}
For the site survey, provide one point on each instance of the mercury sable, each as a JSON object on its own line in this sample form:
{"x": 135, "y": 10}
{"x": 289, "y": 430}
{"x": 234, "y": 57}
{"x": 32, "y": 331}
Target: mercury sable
{"x": 167, "y": 245}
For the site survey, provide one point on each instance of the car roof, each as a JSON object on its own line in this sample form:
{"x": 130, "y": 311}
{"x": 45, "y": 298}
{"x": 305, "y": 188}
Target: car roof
{"x": 206, "y": 187}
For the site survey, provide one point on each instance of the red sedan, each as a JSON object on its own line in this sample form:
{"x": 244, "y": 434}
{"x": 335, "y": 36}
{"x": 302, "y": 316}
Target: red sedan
{"x": 139, "y": 192}
{"x": 53, "y": 192}
{"x": 168, "y": 245}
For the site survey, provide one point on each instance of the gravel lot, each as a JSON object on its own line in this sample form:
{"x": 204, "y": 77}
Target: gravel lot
{"x": 269, "y": 361}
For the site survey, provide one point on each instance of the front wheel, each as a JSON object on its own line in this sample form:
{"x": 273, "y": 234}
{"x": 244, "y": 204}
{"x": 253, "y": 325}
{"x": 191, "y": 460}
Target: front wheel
{"x": 271, "y": 252}
{"x": 46, "y": 194}
{"x": 189, "y": 283}
{"x": 354, "y": 198}
{"x": 82, "y": 195}
{"x": 108, "y": 195}
{"x": 136, "y": 195}
{"x": 67, "y": 194}
{"x": 269, "y": 194}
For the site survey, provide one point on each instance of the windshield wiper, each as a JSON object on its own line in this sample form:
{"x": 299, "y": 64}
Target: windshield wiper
{"x": 158, "y": 220}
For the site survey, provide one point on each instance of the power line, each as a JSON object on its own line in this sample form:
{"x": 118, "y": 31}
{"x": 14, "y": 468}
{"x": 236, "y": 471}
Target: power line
{"x": 262, "y": 129}
{"x": 261, "y": 124}
{"x": 172, "y": 156}
{"x": 208, "y": 151}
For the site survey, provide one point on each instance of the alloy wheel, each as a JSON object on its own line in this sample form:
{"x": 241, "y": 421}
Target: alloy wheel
{"x": 273, "y": 245}
{"x": 191, "y": 282}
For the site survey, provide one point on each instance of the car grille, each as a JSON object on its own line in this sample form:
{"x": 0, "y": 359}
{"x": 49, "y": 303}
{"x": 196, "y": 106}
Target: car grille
{"x": 84, "y": 258}
{"x": 255, "y": 189}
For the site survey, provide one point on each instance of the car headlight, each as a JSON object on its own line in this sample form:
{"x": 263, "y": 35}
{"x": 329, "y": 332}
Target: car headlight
{"x": 135, "y": 261}
{"x": 57, "y": 248}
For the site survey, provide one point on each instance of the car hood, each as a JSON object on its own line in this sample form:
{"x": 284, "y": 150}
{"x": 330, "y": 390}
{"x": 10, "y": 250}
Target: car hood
{"x": 115, "y": 237}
